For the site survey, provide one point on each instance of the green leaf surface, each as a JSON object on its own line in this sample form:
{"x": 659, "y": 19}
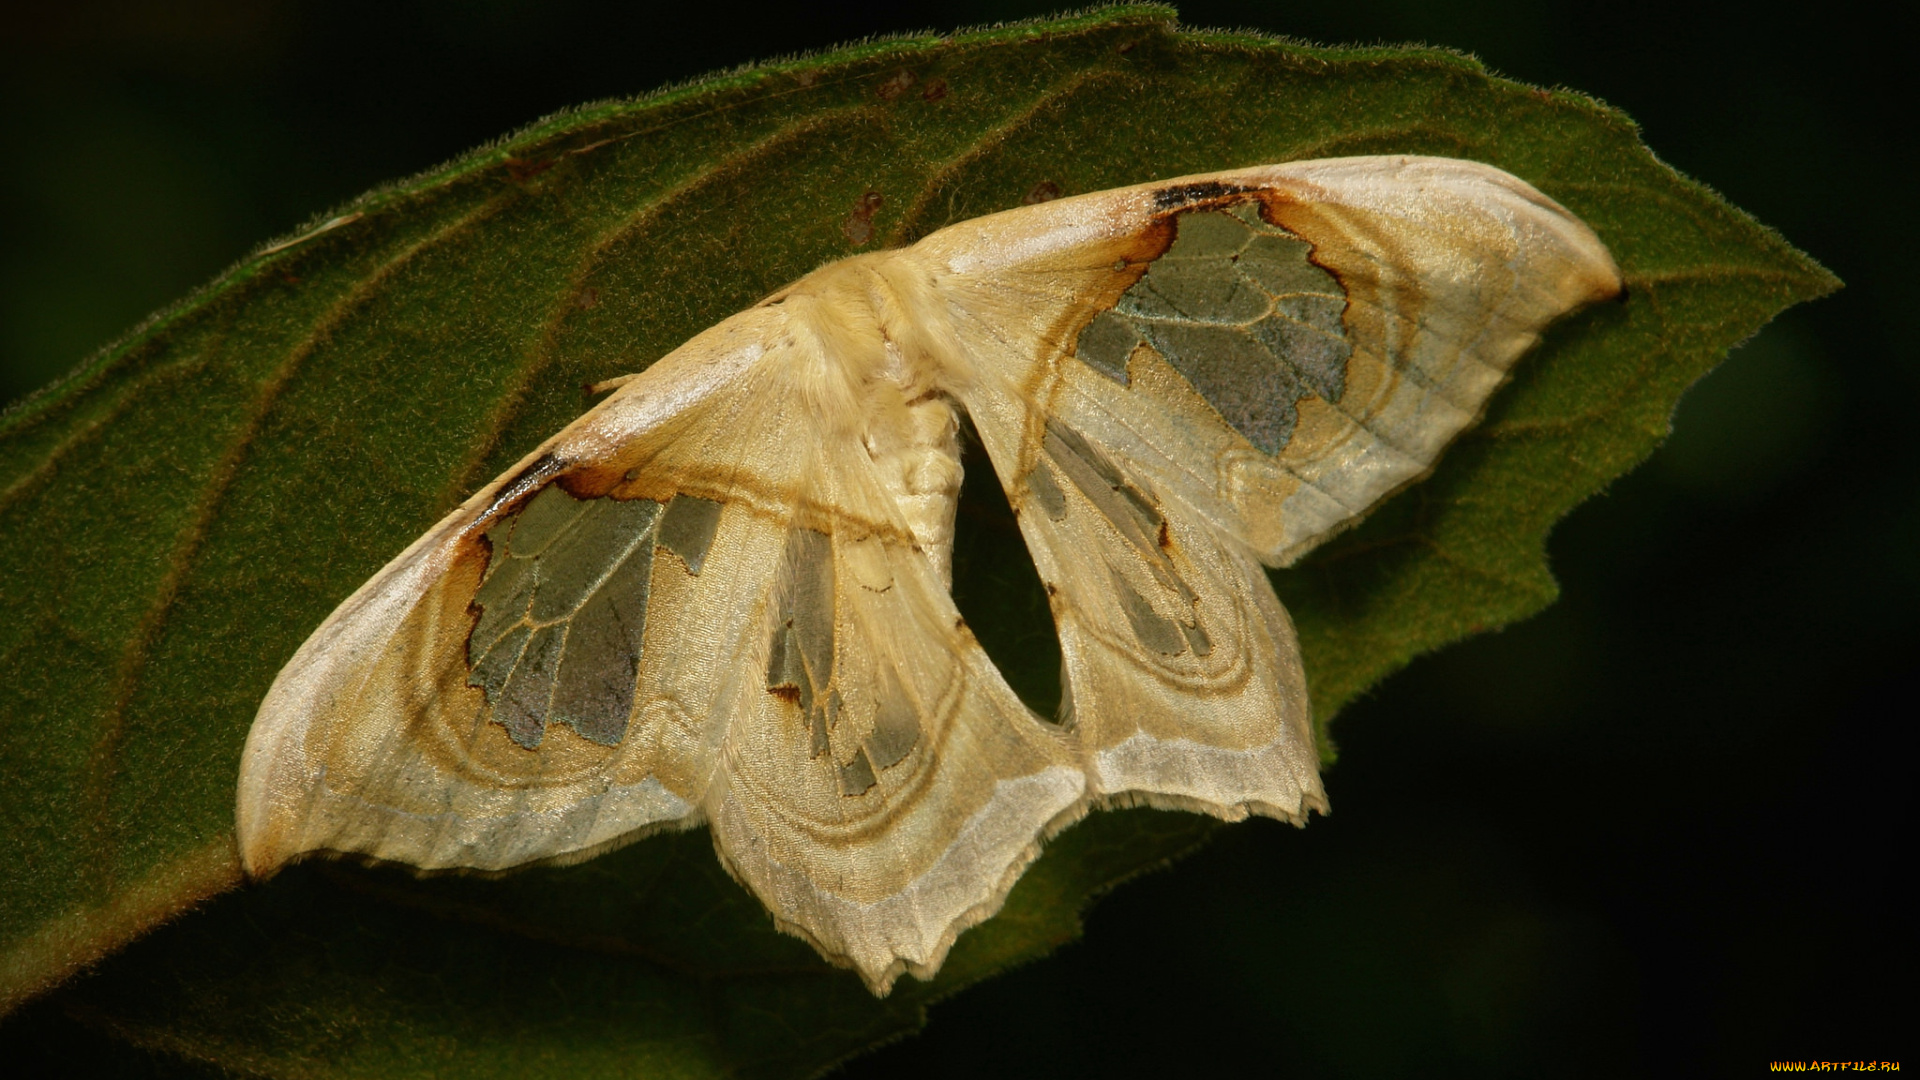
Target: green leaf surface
{"x": 184, "y": 510}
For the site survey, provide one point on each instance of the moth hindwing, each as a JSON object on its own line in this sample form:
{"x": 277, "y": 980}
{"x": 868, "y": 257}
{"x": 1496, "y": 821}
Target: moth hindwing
{"x": 722, "y": 595}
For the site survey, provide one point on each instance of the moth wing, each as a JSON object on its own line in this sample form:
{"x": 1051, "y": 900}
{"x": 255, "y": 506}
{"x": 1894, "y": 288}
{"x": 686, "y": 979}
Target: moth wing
{"x": 884, "y": 787}
{"x": 1188, "y": 378}
{"x": 1279, "y": 347}
{"x": 533, "y": 678}
{"x": 1182, "y": 673}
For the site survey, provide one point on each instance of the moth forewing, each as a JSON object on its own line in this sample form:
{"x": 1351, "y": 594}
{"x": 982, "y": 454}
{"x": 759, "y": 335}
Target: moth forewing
{"x": 722, "y": 594}
{"x": 370, "y": 742}
{"x": 1448, "y": 272}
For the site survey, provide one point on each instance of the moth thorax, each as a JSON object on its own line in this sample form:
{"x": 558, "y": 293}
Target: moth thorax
{"x": 915, "y": 447}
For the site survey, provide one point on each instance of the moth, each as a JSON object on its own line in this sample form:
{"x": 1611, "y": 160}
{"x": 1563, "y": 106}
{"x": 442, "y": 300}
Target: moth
{"x": 722, "y": 595}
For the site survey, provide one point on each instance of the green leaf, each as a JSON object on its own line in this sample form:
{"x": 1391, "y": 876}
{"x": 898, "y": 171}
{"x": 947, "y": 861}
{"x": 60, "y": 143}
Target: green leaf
{"x": 184, "y": 510}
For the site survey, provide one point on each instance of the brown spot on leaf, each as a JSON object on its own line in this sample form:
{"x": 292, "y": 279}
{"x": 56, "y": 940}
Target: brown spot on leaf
{"x": 859, "y": 224}
{"x": 806, "y": 78}
{"x": 895, "y": 86}
{"x": 1044, "y": 191}
{"x": 587, "y": 298}
{"x": 521, "y": 170}
{"x": 935, "y": 90}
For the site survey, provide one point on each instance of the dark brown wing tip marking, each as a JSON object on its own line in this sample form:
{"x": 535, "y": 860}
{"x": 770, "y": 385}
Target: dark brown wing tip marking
{"x": 1181, "y": 196}
{"x": 524, "y": 483}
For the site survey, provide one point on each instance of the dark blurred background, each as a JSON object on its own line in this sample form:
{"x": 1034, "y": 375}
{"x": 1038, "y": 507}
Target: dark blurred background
{"x": 1650, "y": 831}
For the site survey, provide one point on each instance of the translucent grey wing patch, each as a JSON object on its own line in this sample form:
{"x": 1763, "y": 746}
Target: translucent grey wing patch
{"x": 1104, "y": 486}
{"x": 491, "y": 668}
{"x": 810, "y": 605}
{"x": 600, "y": 669}
{"x": 1107, "y": 344}
{"x": 856, "y": 776}
{"x": 800, "y": 662}
{"x": 527, "y": 697}
{"x": 1236, "y": 306}
{"x": 539, "y": 523}
{"x": 1151, "y": 629}
{"x": 801, "y": 668}
{"x": 562, "y": 610}
{"x": 1197, "y": 640}
{"x": 1136, "y": 518}
{"x": 1046, "y": 491}
{"x": 786, "y": 672}
{"x": 896, "y": 730}
{"x": 688, "y": 529}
